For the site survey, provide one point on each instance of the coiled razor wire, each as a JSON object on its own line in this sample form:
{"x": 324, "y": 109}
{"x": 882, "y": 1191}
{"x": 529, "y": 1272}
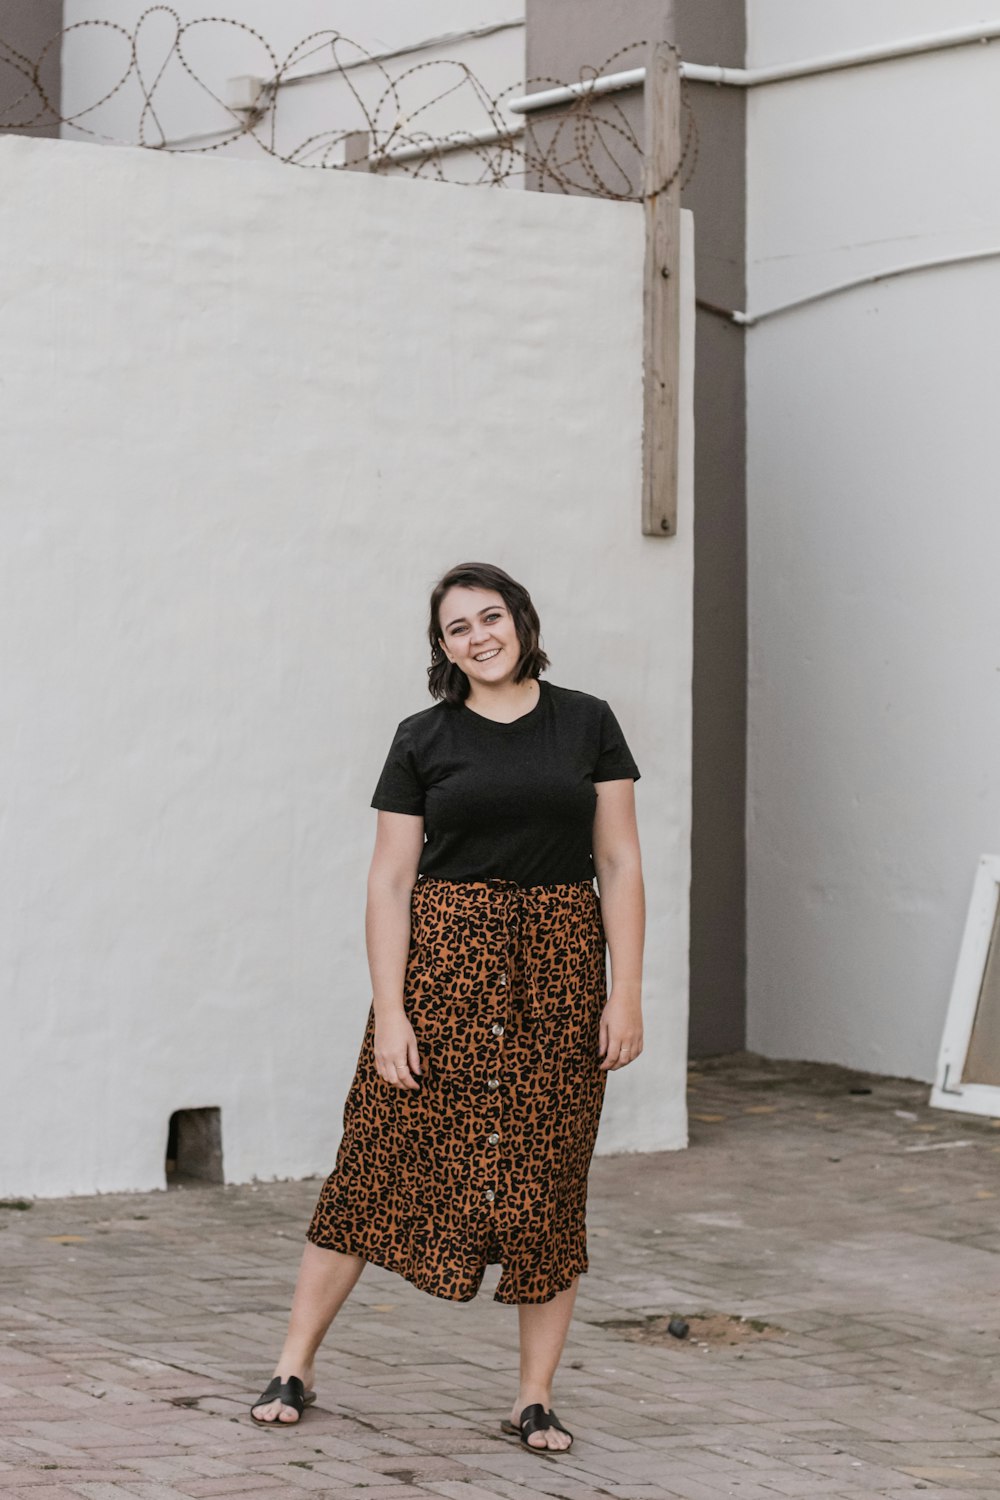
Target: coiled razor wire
{"x": 587, "y": 146}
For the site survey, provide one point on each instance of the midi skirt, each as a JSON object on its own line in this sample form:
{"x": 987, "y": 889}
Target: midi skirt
{"x": 487, "y": 1161}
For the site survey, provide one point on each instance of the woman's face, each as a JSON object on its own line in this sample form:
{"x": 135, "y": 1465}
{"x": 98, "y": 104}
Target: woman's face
{"x": 478, "y": 635}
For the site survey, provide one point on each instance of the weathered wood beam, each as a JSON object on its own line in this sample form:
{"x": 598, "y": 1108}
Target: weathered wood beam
{"x": 661, "y": 299}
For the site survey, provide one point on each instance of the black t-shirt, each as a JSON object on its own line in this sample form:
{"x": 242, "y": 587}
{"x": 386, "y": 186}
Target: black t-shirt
{"x": 511, "y": 801}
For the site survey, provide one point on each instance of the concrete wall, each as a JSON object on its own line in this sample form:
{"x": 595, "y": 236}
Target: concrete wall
{"x": 216, "y": 559}
{"x": 564, "y": 37}
{"x": 874, "y": 531}
{"x": 435, "y": 99}
{"x": 27, "y": 30}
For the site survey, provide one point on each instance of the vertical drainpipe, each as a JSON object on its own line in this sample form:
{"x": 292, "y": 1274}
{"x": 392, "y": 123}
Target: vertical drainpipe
{"x": 563, "y": 36}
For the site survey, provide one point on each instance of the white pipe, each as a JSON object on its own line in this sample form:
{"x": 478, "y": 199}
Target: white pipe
{"x": 747, "y": 320}
{"x": 748, "y": 77}
{"x": 935, "y": 42}
{"x": 464, "y": 140}
{"x": 611, "y": 83}
{"x": 428, "y": 44}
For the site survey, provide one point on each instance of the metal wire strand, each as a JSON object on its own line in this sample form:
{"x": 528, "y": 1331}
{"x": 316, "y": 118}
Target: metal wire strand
{"x": 588, "y": 146}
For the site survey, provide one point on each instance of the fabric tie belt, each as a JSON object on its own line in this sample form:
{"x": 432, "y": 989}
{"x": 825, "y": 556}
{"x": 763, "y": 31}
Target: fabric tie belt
{"x": 514, "y": 906}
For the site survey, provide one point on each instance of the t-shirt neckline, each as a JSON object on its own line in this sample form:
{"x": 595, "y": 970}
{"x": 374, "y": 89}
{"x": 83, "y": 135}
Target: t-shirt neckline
{"x": 523, "y": 721}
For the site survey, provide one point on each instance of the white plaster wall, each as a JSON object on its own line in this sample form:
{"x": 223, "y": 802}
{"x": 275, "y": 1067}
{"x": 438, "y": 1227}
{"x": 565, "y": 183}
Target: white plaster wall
{"x": 436, "y": 98}
{"x": 231, "y": 475}
{"x": 874, "y": 531}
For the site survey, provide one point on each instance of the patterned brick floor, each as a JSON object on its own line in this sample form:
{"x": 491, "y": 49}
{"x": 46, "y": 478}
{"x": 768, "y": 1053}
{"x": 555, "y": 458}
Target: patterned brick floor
{"x": 861, "y": 1227}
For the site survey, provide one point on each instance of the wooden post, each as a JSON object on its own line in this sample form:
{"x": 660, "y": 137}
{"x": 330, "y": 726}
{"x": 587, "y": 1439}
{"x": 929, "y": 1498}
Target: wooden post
{"x": 661, "y": 298}
{"x": 357, "y": 150}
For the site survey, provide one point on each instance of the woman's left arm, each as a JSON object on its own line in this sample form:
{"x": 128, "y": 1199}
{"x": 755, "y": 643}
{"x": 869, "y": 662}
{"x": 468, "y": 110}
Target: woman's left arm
{"x": 618, "y": 865}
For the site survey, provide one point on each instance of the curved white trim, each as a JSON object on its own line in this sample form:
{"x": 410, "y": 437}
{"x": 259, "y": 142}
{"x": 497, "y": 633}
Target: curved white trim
{"x": 747, "y": 320}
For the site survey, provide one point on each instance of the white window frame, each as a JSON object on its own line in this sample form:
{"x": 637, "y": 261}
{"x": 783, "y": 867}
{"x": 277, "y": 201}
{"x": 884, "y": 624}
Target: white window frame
{"x": 949, "y": 1092}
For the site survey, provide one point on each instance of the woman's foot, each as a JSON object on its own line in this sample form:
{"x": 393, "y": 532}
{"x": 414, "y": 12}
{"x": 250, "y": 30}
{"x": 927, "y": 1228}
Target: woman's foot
{"x": 277, "y": 1411}
{"x": 551, "y": 1437}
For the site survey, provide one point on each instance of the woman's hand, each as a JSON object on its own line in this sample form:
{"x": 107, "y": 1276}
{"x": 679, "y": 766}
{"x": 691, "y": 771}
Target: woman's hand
{"x": 396, "y": 1055}
{"x": 620, "y": 1033}
{"x": 623, "y": 912}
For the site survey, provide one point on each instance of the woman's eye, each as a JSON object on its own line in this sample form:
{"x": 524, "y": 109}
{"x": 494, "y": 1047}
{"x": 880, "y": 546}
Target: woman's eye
{"x": 494, "y": 615}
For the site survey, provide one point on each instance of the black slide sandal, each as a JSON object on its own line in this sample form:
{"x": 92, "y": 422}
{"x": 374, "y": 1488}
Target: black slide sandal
{"x": 290, "y": 1392}
{"x": 536, "y": 1419}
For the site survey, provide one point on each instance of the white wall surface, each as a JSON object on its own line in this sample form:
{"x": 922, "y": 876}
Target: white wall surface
{"x": 874, "y": 531}
{"x": 231, "y": 475}
{"x": 437, "y": 98}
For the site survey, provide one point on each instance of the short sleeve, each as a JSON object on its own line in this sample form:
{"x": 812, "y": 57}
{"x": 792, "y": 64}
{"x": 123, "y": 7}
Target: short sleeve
{"x": 399, "y": 788}
{"x": 614, "y": 759}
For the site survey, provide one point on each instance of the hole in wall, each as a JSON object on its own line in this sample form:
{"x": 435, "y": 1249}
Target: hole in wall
{"x": 194, "y": 1147}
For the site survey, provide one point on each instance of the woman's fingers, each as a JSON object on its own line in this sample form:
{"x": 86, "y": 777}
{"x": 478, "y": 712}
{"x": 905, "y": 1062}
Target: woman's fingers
{"x": 396, "y": 1070}
{"x": 621, "y": 1051}
{"x": 413, "y": 1057}
{"x": 401, "y": 1077}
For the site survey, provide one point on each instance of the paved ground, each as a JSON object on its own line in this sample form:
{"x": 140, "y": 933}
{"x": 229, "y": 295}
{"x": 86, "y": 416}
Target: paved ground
{"x": 860, "y": 1227}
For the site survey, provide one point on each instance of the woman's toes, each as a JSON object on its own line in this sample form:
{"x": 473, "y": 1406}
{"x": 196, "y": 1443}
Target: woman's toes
{"x": 275, "y": 1411}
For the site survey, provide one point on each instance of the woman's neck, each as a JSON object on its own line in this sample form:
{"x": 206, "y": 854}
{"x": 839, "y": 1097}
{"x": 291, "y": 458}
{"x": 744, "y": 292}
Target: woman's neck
{"x": 505, "y": 702}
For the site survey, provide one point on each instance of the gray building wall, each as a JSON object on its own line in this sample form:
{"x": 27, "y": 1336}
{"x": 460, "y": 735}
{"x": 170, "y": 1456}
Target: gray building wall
{"x": 26, "y": 29}
{"x": 563, "y": 37}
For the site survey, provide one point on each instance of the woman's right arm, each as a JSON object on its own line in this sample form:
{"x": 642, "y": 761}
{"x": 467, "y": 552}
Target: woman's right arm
{"x": 399, "y": 840}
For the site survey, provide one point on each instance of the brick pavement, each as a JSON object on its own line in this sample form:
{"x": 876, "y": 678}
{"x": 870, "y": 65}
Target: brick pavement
{"x": 863, "y": 1227}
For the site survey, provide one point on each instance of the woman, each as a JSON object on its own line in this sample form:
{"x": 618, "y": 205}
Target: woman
{"x": 470, "y": 1123}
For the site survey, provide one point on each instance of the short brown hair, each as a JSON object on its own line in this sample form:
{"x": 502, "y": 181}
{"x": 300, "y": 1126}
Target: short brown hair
{"x": 444, "y": 679}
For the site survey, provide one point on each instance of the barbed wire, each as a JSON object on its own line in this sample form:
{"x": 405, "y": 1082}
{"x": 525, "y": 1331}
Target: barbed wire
{"x": 586, "y": 146}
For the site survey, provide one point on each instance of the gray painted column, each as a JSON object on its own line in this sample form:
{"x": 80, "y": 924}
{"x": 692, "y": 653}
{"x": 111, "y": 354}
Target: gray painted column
{"x": 564, "y": 36}
{"x": 26, "y": 29}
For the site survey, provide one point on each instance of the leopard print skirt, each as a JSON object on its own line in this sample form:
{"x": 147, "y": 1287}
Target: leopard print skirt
{"x": 487, "y": 1162}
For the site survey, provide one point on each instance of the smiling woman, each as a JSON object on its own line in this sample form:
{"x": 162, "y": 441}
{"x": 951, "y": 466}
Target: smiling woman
{"x": 483, "y": 632}
{"x": 470, "y": 1124}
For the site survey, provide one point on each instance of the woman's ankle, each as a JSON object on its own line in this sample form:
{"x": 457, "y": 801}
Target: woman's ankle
{"x": 292, "y": 1363}
{"x": 531, "y": 1394}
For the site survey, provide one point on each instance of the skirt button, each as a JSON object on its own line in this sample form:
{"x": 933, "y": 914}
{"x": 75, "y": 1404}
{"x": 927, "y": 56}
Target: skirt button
{"x": 494, "y": 1083}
